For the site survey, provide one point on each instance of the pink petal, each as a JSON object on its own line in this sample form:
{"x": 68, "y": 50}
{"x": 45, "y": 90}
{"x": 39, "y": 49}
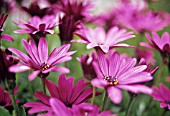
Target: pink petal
{"x": 115, "y": 94}
{"x": 6, "y": 37}
{"x": 99, "y": 83}
{"x": 91, "y": 45}
{"x": 61, "y": 69}
{"x": 33, "y": 75}
{"x": 43, "y": 97}
{"x": 43, "y": 50}
{"x": 19, "y": 68}
{"x": 105, "y": 48}
{"x": 80, "y": 41}
{"x": 163, "y": 105}
{"x": 136, "y": 88}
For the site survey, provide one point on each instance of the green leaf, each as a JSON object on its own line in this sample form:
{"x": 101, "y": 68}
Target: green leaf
{"x": 22, "y": 111}
{"x": 4, "y": 112}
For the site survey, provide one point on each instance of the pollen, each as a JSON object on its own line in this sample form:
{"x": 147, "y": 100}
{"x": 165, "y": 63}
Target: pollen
{"x": 111, "y": 80}
{"x": 45, "y": 67}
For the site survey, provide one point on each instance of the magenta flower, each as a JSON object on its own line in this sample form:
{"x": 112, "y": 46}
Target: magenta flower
{"x": 87, "y": 65}
{"x": 67, "y": 93}
{"x": 162, "y": 95}
{"x": 115, "y": 73}
{"x": 38, "y": 58}
{"x": 5, "y": 100}
{"x": 146, "y": 22}
{"x": 99, "y": 38}
{"x": 155, "y": 42}
{"x": 4, "y": 36}
{"x": 84, "y": 109}
{"x": 37, "y": 25}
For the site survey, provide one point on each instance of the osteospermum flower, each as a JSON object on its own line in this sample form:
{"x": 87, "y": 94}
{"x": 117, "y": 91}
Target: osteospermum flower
{"x": 38, "y": 25}
{"x": 87, "y": 65}
{"x": 162, "y": 95}
{"x": 5, "y": 100}
{"x": 65, "y": 92}
{"x": 4, "y": 36}
{"x": 162, "y": 44}
{"x": 38, "y": 58}
{"x": 99, "y": 38}
{"x": 115, "y": 73}
{"x": 84, "y": 109}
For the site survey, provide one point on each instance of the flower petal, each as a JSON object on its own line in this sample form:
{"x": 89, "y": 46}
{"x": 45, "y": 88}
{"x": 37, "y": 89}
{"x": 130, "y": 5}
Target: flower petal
{"x": 19, "y": 68}
{"x": 33, "y": 75}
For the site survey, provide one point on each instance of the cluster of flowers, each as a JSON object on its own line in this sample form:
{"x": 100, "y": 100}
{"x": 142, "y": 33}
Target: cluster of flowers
{"x": 103, "y": 68}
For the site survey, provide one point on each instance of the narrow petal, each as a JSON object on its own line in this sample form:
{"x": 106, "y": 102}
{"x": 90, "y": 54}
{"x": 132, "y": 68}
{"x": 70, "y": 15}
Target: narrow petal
{"x": 6, "y": 37}
{"x": 43, "y": 50}
{"x": 99, "y": 83}
{"x": 61, "y": 69}
{"x": 33, "y": 75}
{"x": 137, "y": 88}
{"x": 19, "y": 68}
{"x": 115, "y": 94}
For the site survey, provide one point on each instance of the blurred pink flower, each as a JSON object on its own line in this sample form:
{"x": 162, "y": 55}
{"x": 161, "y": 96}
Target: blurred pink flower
{"x": 155, "y": 42}
{"x": 5, "y": 100}
{"x": 38, "y": 58}
{"x": 162, "y": 95}
{"x": 37, "y": 25}
{"x": 7, "y": 37}
{"x": 115, "y": 73}
{"x": 99, "y": 38}
{"x": 87, "y": 65}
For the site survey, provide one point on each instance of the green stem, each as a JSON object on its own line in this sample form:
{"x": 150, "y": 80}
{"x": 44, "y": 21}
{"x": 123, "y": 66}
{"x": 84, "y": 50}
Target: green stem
{"x": 43, "y": 86}
{"x": 104, "y": 101}
{"x": 94, "y": 95}
{"x": 131, "y": 101}
{"x": 14, "y": 103}
{"x": 160, "y": 73}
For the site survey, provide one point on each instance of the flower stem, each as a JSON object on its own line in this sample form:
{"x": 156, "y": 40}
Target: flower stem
{"x": 131, "y": 101}
{"x": 14, "y": 103}
{"x": 94, "y": 95}
{"x": 43, "y": 86}
{"x": 160, "y": 73}
{"x": 104, "y": 101}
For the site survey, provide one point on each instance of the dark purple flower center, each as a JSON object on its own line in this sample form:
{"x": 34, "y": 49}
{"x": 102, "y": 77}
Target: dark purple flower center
{"x": 45, "y": 66}
{"x": 167, "y": 102}
{"x": 111, "y": 80}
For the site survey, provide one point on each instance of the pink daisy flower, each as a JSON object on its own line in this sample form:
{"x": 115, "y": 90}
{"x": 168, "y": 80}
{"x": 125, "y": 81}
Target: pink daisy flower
{"x": 162, "y": 44}
{"x": 115, "y": 73}
{"x": 99, "y": 38}
{"x": 162, "y": 95}
{"x": 38, "y": 58}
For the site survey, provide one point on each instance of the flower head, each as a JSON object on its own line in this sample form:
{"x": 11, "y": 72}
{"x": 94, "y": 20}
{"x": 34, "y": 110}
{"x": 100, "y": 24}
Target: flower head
{"x": 65, "y": 92}
{"x": 87, "y": 65}
{"x": 155, "y": 42}
{"x": 162, "y": 95}
{"x": 38, "y": 25}
{"x": 115, "y": 73}
{"x": 99, "y": 38}
{"x": 38, "y": 58}
{"x": 5, "y": 100}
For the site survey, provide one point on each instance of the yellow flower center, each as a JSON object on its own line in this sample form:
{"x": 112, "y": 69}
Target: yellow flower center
{"x": 111, "y": 80}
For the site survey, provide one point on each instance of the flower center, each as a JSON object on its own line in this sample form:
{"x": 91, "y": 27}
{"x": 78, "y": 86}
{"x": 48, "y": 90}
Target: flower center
{"x": 111, "y": 80}
{"x": 45, "y": 66}
{"x": 2, "y": 103}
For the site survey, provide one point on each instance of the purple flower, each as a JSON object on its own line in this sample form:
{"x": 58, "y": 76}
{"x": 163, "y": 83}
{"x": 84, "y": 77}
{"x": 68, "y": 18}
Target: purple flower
{"x": 79, "y": 10}
{"x": 155, "y": 42}
{"x": 67, "y": 93}
{"x": 115, "y": 73}
{"x": 162, "y": 95}
{"x": 4, "y": 36}
{"x": 87, "y": 65}
{"x": 146, "y": 22}
{"x": 37, "y": 25}
{"x": 38, "y": 58}
{"x": 5, "y": 100}
{"x": 99, "y": 38}
{"x": 84, "y": 109}
{"x": 35, "y": 10}
{"x": 5, "y": 62}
